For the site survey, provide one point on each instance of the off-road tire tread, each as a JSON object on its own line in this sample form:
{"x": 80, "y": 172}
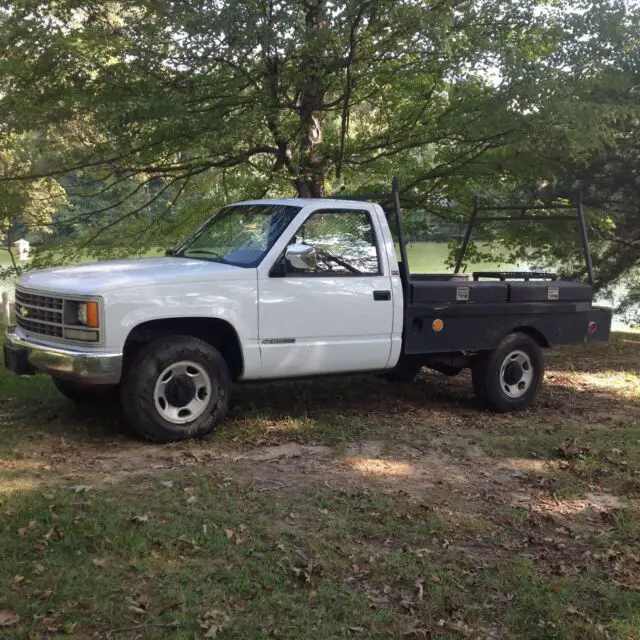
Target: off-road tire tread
{"x": 486, "y": 371}
{"x": 136, "y": 395}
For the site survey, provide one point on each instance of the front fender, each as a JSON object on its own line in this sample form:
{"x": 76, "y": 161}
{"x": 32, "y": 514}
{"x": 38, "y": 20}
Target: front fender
{"x": 234, "y": 301}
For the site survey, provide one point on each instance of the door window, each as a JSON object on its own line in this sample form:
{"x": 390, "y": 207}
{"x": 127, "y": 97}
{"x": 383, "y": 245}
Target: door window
{"x": 344, "y": 242}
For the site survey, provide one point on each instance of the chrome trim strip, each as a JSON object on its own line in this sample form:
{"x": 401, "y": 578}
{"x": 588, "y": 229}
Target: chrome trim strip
{"x": 33, "y": 306}
{"x": 87, "y": 367}
{"x": 58, "y": 325}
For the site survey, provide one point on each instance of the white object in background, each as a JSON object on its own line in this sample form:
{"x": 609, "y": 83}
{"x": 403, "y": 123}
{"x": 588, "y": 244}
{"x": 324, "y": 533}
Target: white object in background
{"x": 6, "y": 309}
{"x": 22, "y": 248}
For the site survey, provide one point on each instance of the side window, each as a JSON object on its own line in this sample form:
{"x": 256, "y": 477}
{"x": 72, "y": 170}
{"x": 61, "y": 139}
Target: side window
{"x": 344, "y": 242}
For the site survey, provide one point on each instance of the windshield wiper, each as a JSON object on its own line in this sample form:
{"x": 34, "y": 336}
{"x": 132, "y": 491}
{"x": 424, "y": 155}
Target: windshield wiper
{"x": 207, "y": 252}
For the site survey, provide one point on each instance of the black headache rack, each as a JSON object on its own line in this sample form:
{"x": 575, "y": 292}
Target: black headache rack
{"x": 391, "y": 204}
{"x": 524, "y": 216}
{"x": 446, "y": 318}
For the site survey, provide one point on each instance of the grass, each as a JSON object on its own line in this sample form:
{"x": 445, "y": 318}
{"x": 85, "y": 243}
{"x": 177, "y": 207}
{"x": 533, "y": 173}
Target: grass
{"x": 340, "y": 508}
{"x": 122, "y": 557}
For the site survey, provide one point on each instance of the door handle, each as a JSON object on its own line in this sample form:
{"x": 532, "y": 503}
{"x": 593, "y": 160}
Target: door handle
{"x": 382, "y": 295}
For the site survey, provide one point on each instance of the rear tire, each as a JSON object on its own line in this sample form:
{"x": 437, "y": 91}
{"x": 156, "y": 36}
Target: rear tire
{"x": 86, "y": 395}
{"x": 176, "y": 388}
{"x": 509, "y": 378}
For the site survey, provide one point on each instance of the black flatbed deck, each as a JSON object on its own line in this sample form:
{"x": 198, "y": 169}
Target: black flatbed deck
{"x": 458, "y": 314}
{"x": 465, "y": 314}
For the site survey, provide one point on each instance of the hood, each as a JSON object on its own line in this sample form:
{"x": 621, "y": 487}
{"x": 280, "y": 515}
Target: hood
{"x": 97, "y": 277}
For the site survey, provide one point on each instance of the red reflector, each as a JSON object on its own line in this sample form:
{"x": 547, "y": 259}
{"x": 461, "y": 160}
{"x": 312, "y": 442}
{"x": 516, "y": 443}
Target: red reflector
{"x": 593, "y": 327}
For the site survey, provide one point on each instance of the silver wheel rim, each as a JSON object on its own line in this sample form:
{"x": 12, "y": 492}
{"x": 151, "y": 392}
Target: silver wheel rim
{"x": 182, "y": 392}
{"x": 516, "y": 374}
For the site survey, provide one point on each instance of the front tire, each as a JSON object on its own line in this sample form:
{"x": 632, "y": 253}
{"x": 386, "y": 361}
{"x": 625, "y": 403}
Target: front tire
{"x": 509, "y": 378}
{"x": 176, "y": 388}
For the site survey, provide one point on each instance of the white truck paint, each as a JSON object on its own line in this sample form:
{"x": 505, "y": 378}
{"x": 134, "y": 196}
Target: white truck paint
{"x": 271, "y": 289}
{"x": 287, "y": 326}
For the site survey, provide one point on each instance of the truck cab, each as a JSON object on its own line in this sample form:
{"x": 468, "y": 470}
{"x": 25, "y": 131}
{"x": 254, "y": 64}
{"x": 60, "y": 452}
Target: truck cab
{"x": 273, "y": 289}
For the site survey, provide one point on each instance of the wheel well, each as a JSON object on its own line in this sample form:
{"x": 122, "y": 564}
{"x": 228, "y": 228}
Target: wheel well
{"x": 218, "y": 333}
{"x": 537, "y": 335}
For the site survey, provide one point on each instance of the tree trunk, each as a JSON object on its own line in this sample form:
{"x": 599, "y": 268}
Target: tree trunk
{"x": 311, "y": 166}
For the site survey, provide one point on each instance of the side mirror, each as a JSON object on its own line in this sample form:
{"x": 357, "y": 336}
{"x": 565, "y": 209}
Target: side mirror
{"x": 170, "y": 252}
{"x": 301, "y": 256}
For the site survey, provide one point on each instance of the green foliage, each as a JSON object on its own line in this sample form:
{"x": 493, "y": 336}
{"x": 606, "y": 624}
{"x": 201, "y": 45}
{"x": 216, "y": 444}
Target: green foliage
{"x": 25, "y": 206}
{"x": 153, "y": 114}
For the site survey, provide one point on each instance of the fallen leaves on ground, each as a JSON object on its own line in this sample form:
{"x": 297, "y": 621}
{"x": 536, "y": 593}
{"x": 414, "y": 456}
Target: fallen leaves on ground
{"x": 212, "y": 622}
{"x": 571, "y": 449}
{"x": 140, "y": 518}
{"x": 30, "y": 527}
{"x": 8, "y": 618}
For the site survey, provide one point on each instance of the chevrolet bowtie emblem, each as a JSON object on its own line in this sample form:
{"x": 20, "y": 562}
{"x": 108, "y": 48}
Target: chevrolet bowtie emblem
{"x": 24, "y": 312}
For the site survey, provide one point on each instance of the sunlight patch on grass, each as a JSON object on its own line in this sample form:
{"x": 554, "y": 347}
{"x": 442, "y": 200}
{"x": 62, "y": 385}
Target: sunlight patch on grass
{"x": 381, "y": 467}
{"x": 10, "y": 486}
{"x": 525, "y": 464}
{"x": 624, "y": 383}
{"x": 254, "y": 425}
{"x": 20, "y": 475}
{"x": 591, "y": 502}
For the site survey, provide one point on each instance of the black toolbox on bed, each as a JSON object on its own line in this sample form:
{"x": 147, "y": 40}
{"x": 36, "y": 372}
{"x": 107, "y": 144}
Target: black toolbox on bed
{"x": 428, "y": 290}
{"x": 561, "y": 291}
{"x": 535, "y": 286}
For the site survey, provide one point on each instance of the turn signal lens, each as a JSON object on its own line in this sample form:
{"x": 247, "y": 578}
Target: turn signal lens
{"x": 92, "y": 315}
{"x": 593, "y": 327}
{"x": 88, "y": 314}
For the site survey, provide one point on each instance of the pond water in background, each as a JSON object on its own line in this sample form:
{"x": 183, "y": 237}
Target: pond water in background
{"x": 431, "y": 257}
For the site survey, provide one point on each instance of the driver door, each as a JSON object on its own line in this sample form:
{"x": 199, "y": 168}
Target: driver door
{"x": 332, "y": 316}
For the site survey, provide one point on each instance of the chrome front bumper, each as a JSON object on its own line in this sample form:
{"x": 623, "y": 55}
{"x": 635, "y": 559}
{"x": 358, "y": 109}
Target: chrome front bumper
{"x": 85, "y": 367}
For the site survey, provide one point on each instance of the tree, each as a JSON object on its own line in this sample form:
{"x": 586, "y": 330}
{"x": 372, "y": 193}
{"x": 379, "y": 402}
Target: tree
{"x": 606, "y": 175}
{"x": 29, "y": 206}
{"x": 301, "y": 95}
{"x": 610, "y": 185}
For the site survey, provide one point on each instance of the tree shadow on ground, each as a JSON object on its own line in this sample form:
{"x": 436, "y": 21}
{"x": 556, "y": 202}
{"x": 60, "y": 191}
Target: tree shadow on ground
{"x": 422, "y": 536}
{"x": 418, "y": 476}
{"x": 587, "y": 386}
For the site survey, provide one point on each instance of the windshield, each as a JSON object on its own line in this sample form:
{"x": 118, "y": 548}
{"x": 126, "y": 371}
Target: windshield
{"x": 240, "y": 235}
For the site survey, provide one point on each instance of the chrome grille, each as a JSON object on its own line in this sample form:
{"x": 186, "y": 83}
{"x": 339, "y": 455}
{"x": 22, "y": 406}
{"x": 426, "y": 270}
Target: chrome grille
{"x": 38, "y": 314}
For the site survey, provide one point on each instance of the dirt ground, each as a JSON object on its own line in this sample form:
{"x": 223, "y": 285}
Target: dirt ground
{"x": 558, "y": 485}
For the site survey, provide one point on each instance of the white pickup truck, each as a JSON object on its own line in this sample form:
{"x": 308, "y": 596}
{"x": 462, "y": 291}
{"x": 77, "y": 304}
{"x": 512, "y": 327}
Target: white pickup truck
{"x": 272, "y": 289}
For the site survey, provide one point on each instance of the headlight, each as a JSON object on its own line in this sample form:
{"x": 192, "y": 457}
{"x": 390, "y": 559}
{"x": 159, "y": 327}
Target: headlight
{"x": 82, "y": 320}
{"x": 88, "y": 314}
